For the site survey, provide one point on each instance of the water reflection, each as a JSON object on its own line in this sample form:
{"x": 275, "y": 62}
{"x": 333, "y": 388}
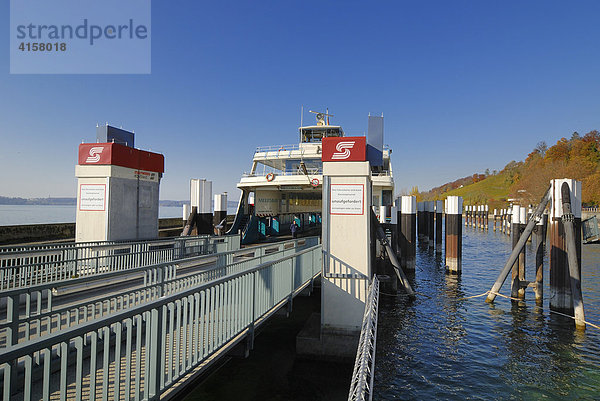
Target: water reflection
{"x": 444, "y": 346}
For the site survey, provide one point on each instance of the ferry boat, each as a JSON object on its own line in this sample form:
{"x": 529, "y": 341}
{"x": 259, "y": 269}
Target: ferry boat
{"x": 285, "y": 184}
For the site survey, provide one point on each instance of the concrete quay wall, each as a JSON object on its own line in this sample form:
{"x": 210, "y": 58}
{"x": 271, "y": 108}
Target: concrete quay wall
{"x": 18, "y": 234}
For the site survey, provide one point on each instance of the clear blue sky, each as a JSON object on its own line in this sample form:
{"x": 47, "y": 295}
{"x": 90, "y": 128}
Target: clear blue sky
{"x": 463, "y": 85}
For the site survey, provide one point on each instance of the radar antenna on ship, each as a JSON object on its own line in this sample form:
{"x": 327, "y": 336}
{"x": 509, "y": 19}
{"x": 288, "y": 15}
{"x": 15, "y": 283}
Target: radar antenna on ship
{"x": 321, "y": 116}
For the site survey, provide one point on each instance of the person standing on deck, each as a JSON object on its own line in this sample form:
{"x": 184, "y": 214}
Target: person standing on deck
{"x": 293, "y": 228}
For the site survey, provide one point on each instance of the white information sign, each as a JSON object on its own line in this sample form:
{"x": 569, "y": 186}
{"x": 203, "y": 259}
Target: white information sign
{"x": 92, "y": 197}
{"x": 347, "y": 199}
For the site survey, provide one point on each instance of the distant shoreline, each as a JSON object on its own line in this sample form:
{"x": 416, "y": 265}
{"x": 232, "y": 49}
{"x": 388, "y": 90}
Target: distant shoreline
{"x": 4, "y": 200}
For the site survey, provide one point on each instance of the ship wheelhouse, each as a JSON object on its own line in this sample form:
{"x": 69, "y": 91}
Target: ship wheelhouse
{"x": 285, "y": 184}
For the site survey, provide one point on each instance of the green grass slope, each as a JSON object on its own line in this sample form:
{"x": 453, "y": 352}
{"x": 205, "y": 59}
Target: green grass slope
{"x": 492, "y": 191}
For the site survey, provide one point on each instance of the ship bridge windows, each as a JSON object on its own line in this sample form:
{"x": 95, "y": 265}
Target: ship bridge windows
{"x": 299, "y": 166}
{"x": 315, "y": 134}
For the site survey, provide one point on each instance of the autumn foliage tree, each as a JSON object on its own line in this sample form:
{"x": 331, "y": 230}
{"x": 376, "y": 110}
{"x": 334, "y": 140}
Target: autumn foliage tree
{"x": 578, "y": 158}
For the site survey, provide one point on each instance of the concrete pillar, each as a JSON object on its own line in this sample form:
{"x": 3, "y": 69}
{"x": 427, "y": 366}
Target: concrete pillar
{"x": 454, "y": 234}
{"x": 561, "y": 299}
{"x": 346, "y": 251}
{"x": 220, "y": 215}
{"x": 439, "y": 209}
{"x": 117, "y": 192}
{"x": 408, "y": 232}
{"x": 201, "y": 199}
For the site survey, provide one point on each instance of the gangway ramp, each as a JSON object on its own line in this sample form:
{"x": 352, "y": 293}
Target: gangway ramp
{"x": 39, "y": 311}
{"x": 144, "y": 351}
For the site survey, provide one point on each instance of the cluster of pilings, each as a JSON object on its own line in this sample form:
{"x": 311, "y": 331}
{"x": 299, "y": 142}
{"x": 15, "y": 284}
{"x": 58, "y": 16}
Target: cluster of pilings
{"x": 423, "y": 221}
{"x": 563, "y": 224}
{"x": 477, "y": 216}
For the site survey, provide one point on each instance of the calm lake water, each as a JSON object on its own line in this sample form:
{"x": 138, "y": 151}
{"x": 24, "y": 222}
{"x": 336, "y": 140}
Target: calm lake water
{"x": 42, "y": 214}
{"x": 442, "y": 346}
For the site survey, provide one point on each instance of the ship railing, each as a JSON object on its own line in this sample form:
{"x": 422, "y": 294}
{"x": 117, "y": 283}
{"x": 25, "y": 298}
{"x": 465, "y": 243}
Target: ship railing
{"x": 361, "y": 386}
{"x": 277, "y": 148}
{"x": 27, "y": 268}
{"x": 147, "y": 349}
{"x": 311, "y": 171}
{"x": 37, "y": 310}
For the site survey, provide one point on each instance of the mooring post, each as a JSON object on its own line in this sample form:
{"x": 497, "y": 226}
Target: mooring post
{"x": 574, "y": 265}
{"x": 439, "y": 209}
{"x": 454, "y": 234}
{"x": 382, "y": 214}
{"x": 395, "y": 231}
{"x": 408, "y": 231}
{"x": 467, "y": 209}
{"x": 431, "y": 222}
{"x": 420, "y": 230}
{"x": 522, "y": 255}
{"x": 561, "y": 296}
{"x": 515, "y": 235}
{"x": 537, "y": 215}
{"x": 494, "y": 223}
{"x": 487, "y": 217}
{"x": 539, "y": 262}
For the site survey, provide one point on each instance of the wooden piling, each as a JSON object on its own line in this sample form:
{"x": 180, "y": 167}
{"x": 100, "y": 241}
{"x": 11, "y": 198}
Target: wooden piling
{"x": 515, "y": 234}
{"x": 574, "y": 267}
{"x": 561, "y": 298}
{"x": 522, "y": 255}
{"x": 420, "y": 220}
{"x": 454, "y": 234}
{"x": 439, "y": 209}
{"x": 408, "y": 231}
{"x": 431, "y": 222}
{"x": 486, "y": 217}
{"x": 538, "y": 289}
{"x": 467, "y": 211}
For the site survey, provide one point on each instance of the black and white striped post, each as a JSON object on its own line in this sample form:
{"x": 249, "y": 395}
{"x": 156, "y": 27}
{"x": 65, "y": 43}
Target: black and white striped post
{"x": 408, "y": 231}
{"x": 439, "y": 209}
{"x": 454, "y": 234}
{"x": 467, "y": 215}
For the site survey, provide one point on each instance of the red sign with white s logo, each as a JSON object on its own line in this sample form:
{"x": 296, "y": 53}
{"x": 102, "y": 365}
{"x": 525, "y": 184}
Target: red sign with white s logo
{"x": 344, "y": 149}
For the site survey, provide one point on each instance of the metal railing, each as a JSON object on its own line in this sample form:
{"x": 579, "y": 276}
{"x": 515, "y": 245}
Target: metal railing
{"x": 311, "y": 171}
{"x": 277, "y": 148}
{"x": 142, "y": 352}
{"x": 361, "y": 387}
{"x": 30, "y": 267}
{"x": 37, "y": 315}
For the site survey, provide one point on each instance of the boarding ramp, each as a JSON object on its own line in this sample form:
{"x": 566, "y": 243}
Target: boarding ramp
{"x": 146, "y": 351}
{"x": 22, "y": 267}
{"x": 44, "y": 309}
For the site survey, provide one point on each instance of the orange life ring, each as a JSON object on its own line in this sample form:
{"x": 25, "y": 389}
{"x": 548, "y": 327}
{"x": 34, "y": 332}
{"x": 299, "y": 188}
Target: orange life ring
{"x": 314, "y": 182}
{"x": 270, "y": 177}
